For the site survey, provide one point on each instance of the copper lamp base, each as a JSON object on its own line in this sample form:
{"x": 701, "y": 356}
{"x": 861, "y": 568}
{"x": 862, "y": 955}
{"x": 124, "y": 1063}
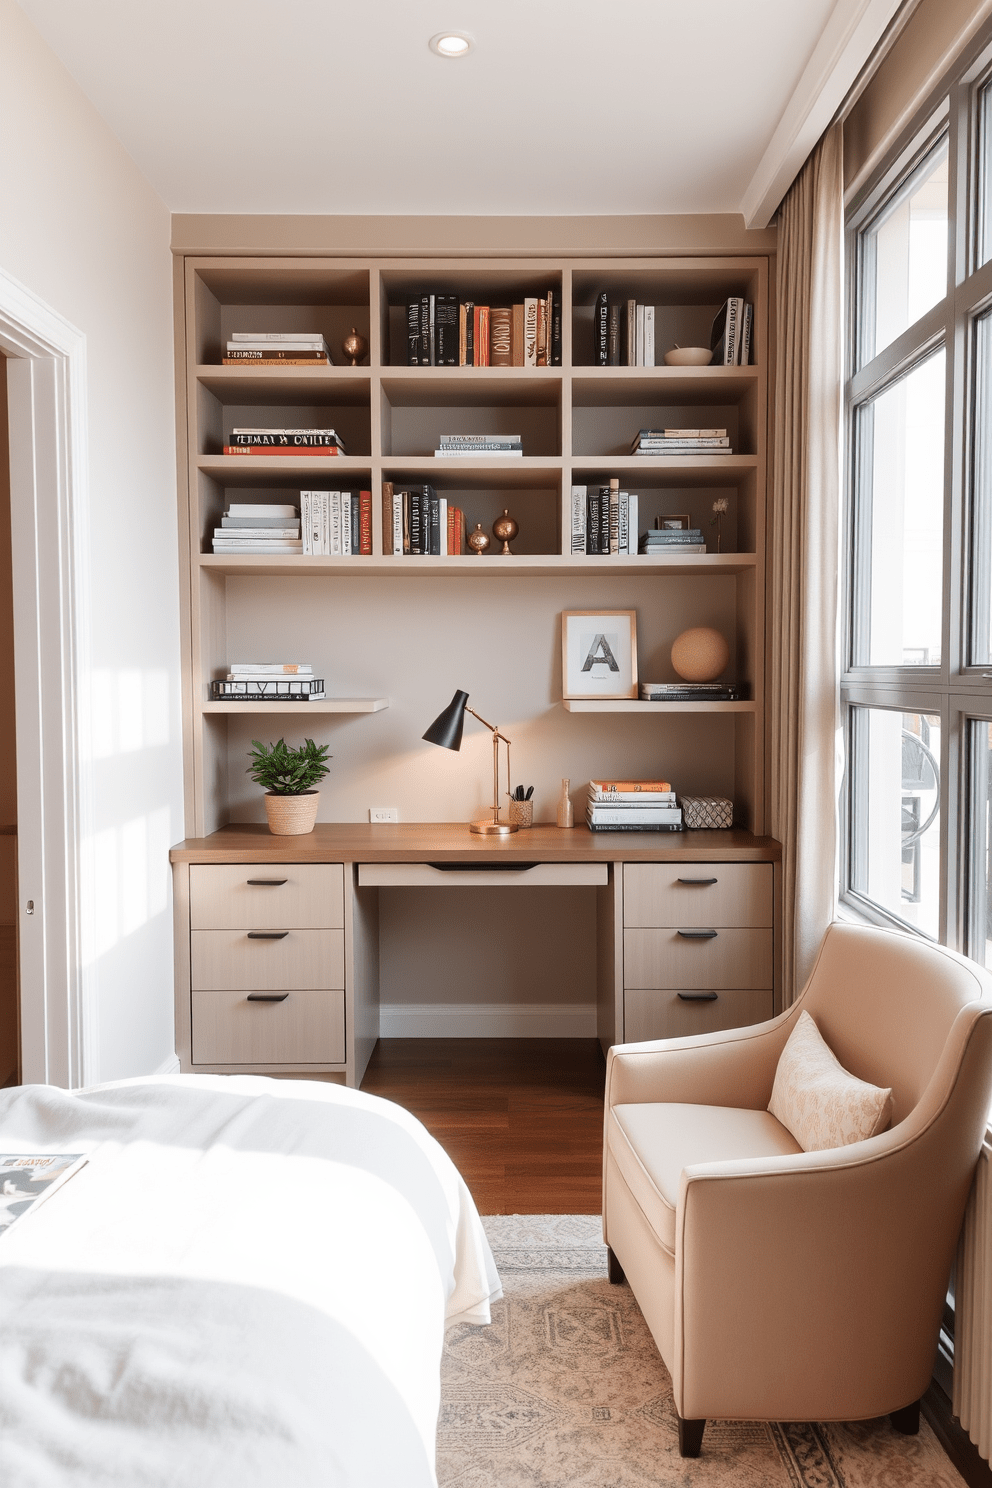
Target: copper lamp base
{"x": 490, "y": 828}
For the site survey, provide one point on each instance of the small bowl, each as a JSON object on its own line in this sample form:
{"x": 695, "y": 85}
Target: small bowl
{"x": 688, "y": 356}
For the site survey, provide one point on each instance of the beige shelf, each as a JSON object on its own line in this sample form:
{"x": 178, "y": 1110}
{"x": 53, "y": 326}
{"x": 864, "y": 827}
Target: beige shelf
{"x": 319, "y": 705}
{"x": 691, "y": 470}
{"x": 536, "y": 565}
{"x": 268, "y": 465}
{"x": 665, "y": 385}
{"x": 634, "y": 705}
{"x": 510, "y": 474}
{"x": 290, "y": 385}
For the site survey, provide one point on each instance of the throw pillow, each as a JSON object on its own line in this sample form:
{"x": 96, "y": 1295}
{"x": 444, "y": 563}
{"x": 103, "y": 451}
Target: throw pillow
{"x": 817, "y": 1100}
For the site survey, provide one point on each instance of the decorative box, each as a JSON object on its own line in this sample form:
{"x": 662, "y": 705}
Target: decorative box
{"x": 707, "y": 811}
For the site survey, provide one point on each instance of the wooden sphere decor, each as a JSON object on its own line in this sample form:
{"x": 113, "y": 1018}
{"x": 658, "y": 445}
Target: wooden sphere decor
{"x": 505, "y": 530}
{"x": 700, "y": 654}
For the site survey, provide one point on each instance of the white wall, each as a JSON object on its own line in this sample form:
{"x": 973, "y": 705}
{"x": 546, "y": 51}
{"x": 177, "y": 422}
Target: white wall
{"x": 82, "y": 229}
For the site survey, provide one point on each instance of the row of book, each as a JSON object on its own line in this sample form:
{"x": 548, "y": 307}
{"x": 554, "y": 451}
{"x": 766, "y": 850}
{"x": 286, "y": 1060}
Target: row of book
{"x": 478, "y": 446}
{"x": 623, "y": 333}
{"x": 277, "y": 349}
{"x": 731, "y": 335}
{"x": 680, "y": 442}
{"x": 420, "y": 524}
{"x": 691, "y": 692}
{"x": 284, "y": 442}
{"x": 268, "y": 682}
{"x": 258, "y": 527}
{"x": 604, "y": 520}
{"x": 632, "y": 806}
{"x": 336, "y": 524}
{"x": 444, "y": 331}
{"x": 658, "y": 540}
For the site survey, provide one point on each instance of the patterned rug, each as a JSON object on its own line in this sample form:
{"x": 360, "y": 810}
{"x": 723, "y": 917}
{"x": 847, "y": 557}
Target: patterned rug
{"x": 566, "y": 1390}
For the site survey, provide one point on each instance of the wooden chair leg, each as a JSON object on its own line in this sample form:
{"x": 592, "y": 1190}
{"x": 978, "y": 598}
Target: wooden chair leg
{"x": 690, "y": 1436}
{"x": 614, "y": 1267}
{"x": 907, "y": 1420}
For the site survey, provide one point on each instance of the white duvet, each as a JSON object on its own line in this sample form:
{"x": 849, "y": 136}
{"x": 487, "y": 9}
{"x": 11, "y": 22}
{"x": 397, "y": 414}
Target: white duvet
{"x": 247, "y": 1284}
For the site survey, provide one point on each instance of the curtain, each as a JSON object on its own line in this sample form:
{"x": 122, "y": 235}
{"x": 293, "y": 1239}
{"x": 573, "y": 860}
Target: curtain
{"x": 803, "y": 520}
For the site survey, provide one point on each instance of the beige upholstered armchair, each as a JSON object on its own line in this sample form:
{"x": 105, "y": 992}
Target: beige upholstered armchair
{"x": 788, "y": 1285}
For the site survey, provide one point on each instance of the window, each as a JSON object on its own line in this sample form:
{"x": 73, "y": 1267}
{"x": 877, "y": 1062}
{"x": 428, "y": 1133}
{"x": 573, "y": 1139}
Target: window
{"x": 917, "y": 676}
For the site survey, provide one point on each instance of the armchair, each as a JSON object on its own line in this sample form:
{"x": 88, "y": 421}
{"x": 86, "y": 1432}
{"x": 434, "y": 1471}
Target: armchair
{"x": 786, "y": 1285}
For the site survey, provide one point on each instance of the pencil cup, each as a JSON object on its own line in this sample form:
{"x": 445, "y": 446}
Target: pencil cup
{"x": 522, "y": 813}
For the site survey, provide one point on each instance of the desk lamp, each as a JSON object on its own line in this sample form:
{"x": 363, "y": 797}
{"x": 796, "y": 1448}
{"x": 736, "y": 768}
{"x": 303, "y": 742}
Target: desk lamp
{"x": 446, "y": 730}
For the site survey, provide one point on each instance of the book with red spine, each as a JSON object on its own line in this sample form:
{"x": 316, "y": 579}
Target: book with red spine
{"x": 364, "y": 525}
{"x": 274, "y": 451}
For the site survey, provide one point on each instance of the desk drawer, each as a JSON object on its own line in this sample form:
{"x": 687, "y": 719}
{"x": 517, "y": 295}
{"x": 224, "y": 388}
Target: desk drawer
{"x": 299, "y": 958}
{"x": 659, "y": 894}
{"x": 259, "y": 896}
{"x": 663, "y": 1014}
{"x": 676, "y": 958}
{"x": 306, "y": 1027}
{"x": 536, "y": 875}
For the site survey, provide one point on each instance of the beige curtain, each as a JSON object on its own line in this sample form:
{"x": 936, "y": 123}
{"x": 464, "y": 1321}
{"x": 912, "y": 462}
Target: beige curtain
{"x": 803, "y": 521}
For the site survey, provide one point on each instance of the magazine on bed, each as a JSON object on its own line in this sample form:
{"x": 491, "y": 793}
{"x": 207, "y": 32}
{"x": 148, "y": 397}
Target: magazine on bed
{"x": 27, "y": 1177}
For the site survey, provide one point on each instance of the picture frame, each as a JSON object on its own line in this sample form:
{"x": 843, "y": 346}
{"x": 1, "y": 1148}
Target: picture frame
{"x": 599, "y": 653}
{"x": 681, "y": 522}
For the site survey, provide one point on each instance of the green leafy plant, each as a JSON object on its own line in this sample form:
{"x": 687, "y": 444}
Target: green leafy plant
{"x": 288, "y": 772}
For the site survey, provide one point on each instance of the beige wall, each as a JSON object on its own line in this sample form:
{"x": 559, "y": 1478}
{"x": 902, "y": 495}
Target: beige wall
{"x": 81, "y": 228}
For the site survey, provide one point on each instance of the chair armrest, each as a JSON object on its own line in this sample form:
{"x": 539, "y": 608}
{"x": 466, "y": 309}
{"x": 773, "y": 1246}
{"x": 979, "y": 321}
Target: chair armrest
{"x": 735, "y": 1067}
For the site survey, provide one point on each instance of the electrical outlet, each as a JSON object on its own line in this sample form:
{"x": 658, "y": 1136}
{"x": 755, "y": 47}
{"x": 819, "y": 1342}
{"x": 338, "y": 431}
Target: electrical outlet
{"x": 383, "y": 814}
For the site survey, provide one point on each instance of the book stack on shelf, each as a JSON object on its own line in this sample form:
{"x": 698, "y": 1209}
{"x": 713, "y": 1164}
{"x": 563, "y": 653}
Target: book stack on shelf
{"x": 478, "y": 446}
{"x": 254, "y": 527}
{"x": 336, "y": 524}
{"x": 691, "y": 692}
{"x": 443, "y": 331}
{"x": 420, "y": 524}
{"x": 681, "y": 442}
{"x": 668, "y": 540}
{"x": 604, "y": 520}
{"x": 623, "y": 333}
{"x": 268, "y": 682}
{"x": 284, "y": 442}
{"x": 277, "y": 349}
{"x": 731, "y": 334}
{"x": 632, "y": 806}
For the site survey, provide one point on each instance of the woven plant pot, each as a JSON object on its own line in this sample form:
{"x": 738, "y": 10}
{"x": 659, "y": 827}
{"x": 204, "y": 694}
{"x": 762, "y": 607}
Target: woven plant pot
{"x": 292, "y": 816}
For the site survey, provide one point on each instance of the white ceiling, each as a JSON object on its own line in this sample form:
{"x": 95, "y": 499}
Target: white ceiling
{"x": 579, "y": 106}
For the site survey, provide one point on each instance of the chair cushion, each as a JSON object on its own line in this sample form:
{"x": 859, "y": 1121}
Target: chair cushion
{"x": 651, "y": 1144}
{"x": 816, "y": 1098}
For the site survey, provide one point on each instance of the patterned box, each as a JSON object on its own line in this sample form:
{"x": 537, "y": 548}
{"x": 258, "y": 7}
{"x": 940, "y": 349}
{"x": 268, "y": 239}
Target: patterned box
{"x": 707, "y": 811}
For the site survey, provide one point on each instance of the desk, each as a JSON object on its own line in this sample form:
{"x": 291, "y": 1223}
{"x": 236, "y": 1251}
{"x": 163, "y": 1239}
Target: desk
{"x": 278, "y": 971}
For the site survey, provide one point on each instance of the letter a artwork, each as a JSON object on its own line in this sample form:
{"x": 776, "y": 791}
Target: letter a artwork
{"x": 600, "y": 654}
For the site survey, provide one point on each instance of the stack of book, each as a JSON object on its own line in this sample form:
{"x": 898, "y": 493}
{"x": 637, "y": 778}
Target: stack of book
{"x": 632, "y": 806}
{"x": 419, "y": 523}
{"x": 681, "y": 442}
{"x": 604, "y": 520}
{"x": 443, "y": 331}
{"x": 477, "y": 446}
{"x": 284, "y": 442}
{"x": 253, "y": 527}
{"x": 268, "y": 682}
{"x": 691, "y": 692}
{"x": 623, "y": 333}
{"x": 277, "y": 349}
{"x": 669, "y": 540}
{"x": 731, "y": 334}
{"x": 336, "y": 524}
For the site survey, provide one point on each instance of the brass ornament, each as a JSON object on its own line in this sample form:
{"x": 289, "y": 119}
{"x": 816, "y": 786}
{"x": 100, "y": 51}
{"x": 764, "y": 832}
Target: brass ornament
{"x": 505, "y": 530}
{"x": 355, "y": 347}
{"x": 478, "y": 540}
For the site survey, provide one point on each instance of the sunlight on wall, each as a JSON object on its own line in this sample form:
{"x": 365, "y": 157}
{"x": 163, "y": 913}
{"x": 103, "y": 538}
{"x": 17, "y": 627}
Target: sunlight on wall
{"x": 128, "y": 710}
{"x": 126, "y": 884}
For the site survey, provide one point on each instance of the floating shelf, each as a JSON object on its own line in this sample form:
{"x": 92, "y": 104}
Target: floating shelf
{"x": 319, "y": 705}
{"x": 634, "y": 705}
{"x": 531, "y": 565}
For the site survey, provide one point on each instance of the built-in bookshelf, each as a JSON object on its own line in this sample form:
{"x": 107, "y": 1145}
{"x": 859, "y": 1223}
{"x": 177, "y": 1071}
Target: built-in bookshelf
{"x": 577, "y": 421}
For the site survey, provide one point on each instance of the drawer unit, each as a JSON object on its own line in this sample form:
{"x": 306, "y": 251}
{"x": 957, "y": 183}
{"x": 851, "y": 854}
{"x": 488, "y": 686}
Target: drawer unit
{"x": 721, "y": 894}
{"x": 704, "y": 957}
{"x": 670, "y": 1014}
{"x": 265, "y": 896}
{"x": 267, "y": 959}
{"x": 237, "y": 1027}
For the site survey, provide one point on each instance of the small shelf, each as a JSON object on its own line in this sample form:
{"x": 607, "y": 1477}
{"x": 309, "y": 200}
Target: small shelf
{"x": 319, "y": 705}
{"x": 594, "y": 386}
{"x": 534, "y": 565}
{"x": 512, "y": 473}
{"x": 290, "y": 385}
{"x": 268, "y": 465}
{"x": 635, "y": 705}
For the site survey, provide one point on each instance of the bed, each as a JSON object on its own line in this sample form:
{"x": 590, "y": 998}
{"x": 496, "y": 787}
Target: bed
{"x": 248, "y": 1283}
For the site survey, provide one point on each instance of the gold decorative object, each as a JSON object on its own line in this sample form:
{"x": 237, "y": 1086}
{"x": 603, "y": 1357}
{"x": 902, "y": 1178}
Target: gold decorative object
{"x": 522, "y": 813}
{"x": 355, "y": 348}
{"x": 478, "y": 540}
{"x": 700, "y": 654}
{"x": 505, "y": 530}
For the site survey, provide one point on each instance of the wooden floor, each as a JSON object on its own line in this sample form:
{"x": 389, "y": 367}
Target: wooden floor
{"x": 522, "y": 1119}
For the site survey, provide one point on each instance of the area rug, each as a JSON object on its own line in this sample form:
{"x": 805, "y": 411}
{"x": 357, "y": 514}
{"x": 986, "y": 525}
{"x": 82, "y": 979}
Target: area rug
{"x": 566, "y": 1390}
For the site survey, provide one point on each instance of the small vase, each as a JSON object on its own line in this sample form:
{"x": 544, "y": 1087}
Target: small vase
{"x": 565, "y": 817}
{"x": 292, "y": 816}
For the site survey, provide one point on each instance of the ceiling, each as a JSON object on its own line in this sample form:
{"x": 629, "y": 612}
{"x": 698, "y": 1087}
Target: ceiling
{"x": 574, "y": 107}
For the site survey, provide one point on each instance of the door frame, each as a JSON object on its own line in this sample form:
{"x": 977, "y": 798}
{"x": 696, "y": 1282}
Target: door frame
{"x": 46, "y": 397}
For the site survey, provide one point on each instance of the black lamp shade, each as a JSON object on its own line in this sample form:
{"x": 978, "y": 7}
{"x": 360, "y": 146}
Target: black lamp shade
{"x": 447, "y": 727}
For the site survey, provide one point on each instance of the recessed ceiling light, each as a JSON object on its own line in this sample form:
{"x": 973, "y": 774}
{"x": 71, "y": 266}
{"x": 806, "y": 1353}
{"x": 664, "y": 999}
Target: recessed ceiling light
{"x": 451, "y": 44}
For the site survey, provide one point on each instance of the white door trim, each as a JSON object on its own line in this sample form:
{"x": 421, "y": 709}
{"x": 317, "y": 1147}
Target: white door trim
{"x": 46, "y": 394}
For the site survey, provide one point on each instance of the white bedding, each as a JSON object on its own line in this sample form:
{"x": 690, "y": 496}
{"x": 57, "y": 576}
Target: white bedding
{"x": 247, "y": 1284}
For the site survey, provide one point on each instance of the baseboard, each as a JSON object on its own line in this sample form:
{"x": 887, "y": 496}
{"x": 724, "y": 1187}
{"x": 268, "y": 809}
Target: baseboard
{"x": 168, "y": 1066}
{"x": 487, "y": 1020}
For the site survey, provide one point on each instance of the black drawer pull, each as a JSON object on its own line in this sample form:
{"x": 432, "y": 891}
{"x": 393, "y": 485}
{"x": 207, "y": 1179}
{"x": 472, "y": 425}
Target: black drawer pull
{"x": 279, "y": 996}
{"x": 279, "y": 934}
{"x": 475, "y": 867}
{"x": 697, "y": 934}
{"x": 698, "y": 880}
{"x": 274, "y": 883}
{"x": 697, "y": 996}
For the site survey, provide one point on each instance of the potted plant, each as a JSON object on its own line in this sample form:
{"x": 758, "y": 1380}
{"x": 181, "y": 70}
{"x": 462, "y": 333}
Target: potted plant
{"x": 289, "y": 778}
